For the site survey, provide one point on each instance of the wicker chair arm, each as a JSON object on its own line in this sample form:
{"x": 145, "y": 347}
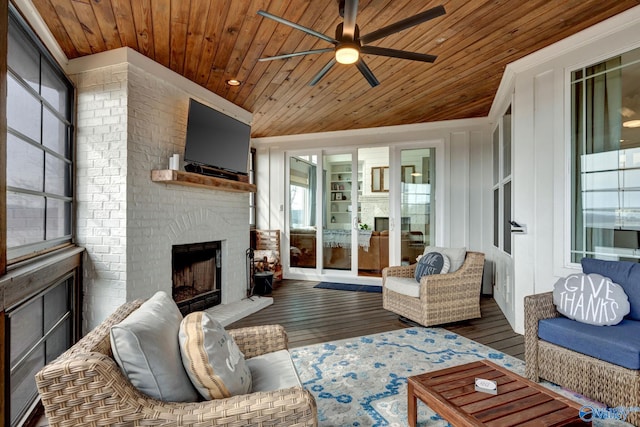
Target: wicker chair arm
{"x": 399, "y": 271}
{"x": 256, "y": 340}
{"x": 536, "y": 307}
{"x": 90, "y": 390}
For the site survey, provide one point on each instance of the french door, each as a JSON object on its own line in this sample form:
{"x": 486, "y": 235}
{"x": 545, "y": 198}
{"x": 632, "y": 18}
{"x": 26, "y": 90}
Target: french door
{"x": 351, "y": 213}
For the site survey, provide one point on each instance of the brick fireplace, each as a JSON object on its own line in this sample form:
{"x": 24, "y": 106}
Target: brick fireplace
{"x": 132, "y": 116}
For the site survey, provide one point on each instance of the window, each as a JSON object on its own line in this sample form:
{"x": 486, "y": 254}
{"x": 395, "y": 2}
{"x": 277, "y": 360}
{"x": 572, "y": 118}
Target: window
{"x": 39, "y": 151}
{"x": 39, "y": 198}
{"x": 502, "y": 183}
{"x": 605, "y": 159}
{"x": 39, "y": 331}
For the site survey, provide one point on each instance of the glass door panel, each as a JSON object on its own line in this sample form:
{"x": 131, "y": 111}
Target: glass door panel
{"x": 372, "y": 206}
{"x": 341, "y": 183}
{"x": 417, "y": 208}
{"x": 302, "y": 211}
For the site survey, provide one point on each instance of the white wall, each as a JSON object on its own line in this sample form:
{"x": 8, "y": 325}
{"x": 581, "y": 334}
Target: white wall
{"x": 541, "y": 160}
{"x": 132, "y": 115}
{"x": 463, "y": 220}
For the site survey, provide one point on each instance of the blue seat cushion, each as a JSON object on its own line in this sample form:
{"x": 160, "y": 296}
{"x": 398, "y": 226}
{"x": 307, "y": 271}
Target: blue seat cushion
{"x": 619, "y": 344}
{"x": 624, "y": 273}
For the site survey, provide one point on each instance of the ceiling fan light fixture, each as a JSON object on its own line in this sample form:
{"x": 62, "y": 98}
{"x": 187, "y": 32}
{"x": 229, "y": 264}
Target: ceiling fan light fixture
{"x": 347, "y": 53}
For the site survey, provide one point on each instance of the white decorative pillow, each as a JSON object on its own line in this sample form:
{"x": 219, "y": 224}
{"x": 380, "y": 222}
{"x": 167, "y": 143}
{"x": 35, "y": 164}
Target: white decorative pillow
{"x": 145, "y": 346}
{"x": 591, "y": 298}
{"x": 212, "y": 359}
{"x": 456, "y": 255}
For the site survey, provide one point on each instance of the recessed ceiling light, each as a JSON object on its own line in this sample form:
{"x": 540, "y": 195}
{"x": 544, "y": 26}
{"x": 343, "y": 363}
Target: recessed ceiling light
{"x": 233, "y": 82}
{"x": 631, "y": 124}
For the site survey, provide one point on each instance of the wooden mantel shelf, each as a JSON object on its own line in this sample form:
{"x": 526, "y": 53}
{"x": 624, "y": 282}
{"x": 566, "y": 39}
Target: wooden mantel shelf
{"x": 190, "y": 179}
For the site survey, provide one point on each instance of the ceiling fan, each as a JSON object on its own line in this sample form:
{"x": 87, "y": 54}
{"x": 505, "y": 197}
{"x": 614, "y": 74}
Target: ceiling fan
{"x": 349, "y": 44}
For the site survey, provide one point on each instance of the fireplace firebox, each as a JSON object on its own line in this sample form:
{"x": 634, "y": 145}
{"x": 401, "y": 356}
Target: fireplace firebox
{"x": 197, "y": 273}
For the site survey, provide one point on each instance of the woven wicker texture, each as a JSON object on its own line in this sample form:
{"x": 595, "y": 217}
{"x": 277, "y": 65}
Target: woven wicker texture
{"x": 85, "y": 387}
{"x": 599, "y": 380}
{"x": 444, "y": 298}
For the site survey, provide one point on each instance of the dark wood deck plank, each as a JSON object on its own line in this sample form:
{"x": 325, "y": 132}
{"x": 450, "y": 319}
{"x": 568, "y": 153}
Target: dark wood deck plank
{"x": 312, "y": 316}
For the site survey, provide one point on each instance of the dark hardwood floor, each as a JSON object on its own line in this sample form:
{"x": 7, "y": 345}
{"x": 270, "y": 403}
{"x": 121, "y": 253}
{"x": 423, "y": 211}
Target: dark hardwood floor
{"x": 313, "y": 316}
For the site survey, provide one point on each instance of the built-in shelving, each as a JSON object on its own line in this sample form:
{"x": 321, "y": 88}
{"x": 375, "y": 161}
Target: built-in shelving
{"x": 190, "y": 179}
{"x": 341, "y": 181}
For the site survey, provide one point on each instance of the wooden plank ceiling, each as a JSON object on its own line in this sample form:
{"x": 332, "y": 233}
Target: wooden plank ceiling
{"x": 211, "y": 41}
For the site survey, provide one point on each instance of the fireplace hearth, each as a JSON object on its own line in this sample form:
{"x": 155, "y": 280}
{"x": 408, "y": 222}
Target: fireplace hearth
{"x": 197, "y": 272}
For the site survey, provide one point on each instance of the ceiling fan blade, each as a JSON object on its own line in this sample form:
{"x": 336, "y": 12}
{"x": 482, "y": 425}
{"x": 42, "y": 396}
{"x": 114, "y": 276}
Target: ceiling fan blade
{"x": 291, "y": 55}
{"x": 404, "y": 24}
{"x": 297, "y": 26}
{"x": 322, "y": 72}
{"x": 394, "y": 53}
{"x": 350, "y": 12}
{"x": 367, "y": 73}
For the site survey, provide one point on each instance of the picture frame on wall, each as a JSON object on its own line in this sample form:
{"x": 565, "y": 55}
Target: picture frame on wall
{"x": 380, "y": 179}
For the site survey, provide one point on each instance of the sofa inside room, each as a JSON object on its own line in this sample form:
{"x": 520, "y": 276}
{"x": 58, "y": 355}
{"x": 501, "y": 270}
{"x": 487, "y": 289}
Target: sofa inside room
{"x": 373, "y": 249}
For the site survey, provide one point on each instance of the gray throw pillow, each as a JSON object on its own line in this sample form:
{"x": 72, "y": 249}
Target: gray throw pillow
{"x": 212, "y": 359}
{"x": 591, "y": 298}
{"x": 145, "y": 346}
{"x": 432, "y": 263}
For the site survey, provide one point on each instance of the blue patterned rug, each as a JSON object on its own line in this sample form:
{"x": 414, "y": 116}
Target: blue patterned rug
{"x": 363, "y": 381}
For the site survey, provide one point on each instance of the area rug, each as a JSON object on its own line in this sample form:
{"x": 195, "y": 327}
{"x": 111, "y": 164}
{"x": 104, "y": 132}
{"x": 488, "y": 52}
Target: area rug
{"x": 363, "y": 381}
{"x": 348, "y": 287}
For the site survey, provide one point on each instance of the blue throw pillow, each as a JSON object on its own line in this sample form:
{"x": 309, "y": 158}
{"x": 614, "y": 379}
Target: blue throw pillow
{"x": 432, "y": 263}
{"x": 624, "y": 273}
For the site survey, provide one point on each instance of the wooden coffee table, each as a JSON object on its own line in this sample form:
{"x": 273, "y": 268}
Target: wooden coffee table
{"x": 450, "y": 393}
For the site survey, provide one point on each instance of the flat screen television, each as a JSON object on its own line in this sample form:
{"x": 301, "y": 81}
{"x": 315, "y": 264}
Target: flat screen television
{"x": 216, "y": 140}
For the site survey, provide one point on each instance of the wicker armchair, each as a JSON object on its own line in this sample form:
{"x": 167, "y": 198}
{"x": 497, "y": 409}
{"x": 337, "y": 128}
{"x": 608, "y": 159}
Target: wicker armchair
{"x": 85, "y": 386}
{"x": 605, "y": 382}
{"x": 444, "y": 298}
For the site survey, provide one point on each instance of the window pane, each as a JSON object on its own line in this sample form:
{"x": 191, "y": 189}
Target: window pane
{"x": 23, "y": 384}
{"x": 496, "y": 216}
{"x": 507, "y": 217}
{"x": 26, "y": 329}
{"x": 506, "y": 131}
{"x": 58, "y": 218}
{"x": 54, "y": 91}
{"x": 605, "y": 159}
{"x": 417, "y": 197}
{"x": 23, "y": 110}
{"x": 58, "y": 176}
{"x": 54, "y": 133}
{"x": 496, "y": 155}
{"x": 56, "y": 304}
{"x": 25, "y": 165}
{"x": 59, "y": 341}
{"x": 25, "y": 219}
{"x": 302, "y": 212}
{"x": 23, "y": 58}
